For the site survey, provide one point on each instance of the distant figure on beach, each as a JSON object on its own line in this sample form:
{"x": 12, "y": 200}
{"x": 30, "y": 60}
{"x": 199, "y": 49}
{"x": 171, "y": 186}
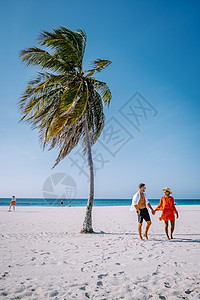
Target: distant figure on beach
{"x": 168, "y": 210}
{"x": 61, "y": 202}
{"x": 12, "y": 204}
{"x": 140, "y": 203}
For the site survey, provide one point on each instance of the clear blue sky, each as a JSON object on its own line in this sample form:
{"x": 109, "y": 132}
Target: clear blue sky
{"x": 154, "y": 47}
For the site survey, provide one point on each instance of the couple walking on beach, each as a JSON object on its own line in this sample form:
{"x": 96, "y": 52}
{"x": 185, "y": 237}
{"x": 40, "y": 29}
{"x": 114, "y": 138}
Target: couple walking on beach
{"x": 166, "y": 205}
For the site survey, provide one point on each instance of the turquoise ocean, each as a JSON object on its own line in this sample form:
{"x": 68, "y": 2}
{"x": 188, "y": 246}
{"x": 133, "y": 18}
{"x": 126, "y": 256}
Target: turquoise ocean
{"x": 83, "y": 202}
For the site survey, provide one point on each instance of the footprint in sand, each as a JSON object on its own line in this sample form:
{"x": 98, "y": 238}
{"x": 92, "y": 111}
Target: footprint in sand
{"x": 188, "y": 292}
{"x": 167, "y": 285}
{"x": 54, "y": 293}
{"x": 4, "y": 275}
{"x": 4, "y": 293}
{"x": 44, "y": 253}
{"x": 102, "y": 275}
{"x": 87, "y": 262}
{"x": 155, "y": 273}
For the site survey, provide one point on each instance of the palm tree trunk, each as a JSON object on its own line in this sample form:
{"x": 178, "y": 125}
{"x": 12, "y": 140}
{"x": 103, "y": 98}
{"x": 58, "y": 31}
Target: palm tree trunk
{"x": 87, "y": 224}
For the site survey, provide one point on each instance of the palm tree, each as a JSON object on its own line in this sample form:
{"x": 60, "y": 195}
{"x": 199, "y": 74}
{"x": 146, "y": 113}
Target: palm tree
{"x": 64, "y": 103}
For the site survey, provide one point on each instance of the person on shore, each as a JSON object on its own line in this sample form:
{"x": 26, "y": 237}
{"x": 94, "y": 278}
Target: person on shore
{"x": 61, "y": 202}
{"x": 12, "y": 204}
{"x": 140, "y": 203}
{"x": 169, "y": 210}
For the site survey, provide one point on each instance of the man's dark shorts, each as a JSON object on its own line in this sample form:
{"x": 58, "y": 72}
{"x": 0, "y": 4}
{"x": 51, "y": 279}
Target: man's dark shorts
{"x": 144, "y": 214}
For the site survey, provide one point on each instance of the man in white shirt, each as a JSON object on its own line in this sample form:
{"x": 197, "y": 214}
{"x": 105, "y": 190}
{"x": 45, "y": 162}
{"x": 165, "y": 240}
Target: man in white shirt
{"x": 140, "y": 203}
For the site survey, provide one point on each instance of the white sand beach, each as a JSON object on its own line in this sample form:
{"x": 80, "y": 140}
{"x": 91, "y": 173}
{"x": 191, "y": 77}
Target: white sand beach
{"x": 43, "y": 255}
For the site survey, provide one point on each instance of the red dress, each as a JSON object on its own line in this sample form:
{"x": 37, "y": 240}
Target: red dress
{"x": 168, "y": 208}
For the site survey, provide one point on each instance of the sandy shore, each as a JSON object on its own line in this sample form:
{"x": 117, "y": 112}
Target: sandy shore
{"x": 43, "y": 255}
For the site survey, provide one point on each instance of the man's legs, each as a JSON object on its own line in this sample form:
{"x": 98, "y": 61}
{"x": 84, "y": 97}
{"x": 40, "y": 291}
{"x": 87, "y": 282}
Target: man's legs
{"x": 140, "y": 230}
{"x": 147, "y": 228}
{"x": 172, "y": 228}
{"x": 9, "y": 208}
{"x": 166, "y": 229}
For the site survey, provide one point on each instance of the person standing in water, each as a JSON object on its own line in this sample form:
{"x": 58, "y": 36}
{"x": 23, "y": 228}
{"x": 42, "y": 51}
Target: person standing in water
{"x": 12, "y": 204}
{"x": 140, "y": 203}
{"x": 168, "y": 211}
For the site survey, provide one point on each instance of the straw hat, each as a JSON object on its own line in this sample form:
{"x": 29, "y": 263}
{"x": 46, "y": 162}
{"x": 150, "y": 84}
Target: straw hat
{"x": 167, "y": 190}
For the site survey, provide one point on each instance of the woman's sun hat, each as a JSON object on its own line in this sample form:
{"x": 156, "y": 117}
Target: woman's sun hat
{"x": 167, "y": 190}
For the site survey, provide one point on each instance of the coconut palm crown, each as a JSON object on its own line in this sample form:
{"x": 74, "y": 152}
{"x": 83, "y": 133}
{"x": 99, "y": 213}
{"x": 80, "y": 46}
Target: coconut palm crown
{"x": 64, "y": 102}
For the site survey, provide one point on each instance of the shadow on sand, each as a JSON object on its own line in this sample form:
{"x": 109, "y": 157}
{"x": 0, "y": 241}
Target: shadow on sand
{"x": 156, "y": 239}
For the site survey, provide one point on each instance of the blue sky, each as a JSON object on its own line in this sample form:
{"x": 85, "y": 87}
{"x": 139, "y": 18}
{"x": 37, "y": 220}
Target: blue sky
{"x": 154, "y": 47}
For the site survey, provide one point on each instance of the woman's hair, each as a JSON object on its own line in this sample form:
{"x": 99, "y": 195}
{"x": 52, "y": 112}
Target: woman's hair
{"x": 141, "y": 185}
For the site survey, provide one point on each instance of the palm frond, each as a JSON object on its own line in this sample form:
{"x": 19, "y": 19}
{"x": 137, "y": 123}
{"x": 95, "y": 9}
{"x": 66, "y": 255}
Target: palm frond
{"x": 84, "y": 42}
{"x": 98, "y": 65}
{"x": 96, "y": 117}
{"x": 67, "y": 140}
{"x": 70, "y": 96}
{"x": 39, "y": 91}
{"x": 69, "y": 45}
{"x": 104, "y": 91}
{"x": 38, "y": 57}
{"x": 80, "y": 106}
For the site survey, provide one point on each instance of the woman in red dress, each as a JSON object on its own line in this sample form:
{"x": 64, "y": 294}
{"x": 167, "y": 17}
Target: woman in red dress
{"x": 12, "y": 203}
{"x": 168, "y": 210}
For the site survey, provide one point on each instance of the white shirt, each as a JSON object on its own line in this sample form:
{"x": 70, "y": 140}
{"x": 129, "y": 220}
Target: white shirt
{"x": 136, "y": 199}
